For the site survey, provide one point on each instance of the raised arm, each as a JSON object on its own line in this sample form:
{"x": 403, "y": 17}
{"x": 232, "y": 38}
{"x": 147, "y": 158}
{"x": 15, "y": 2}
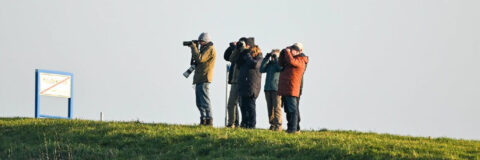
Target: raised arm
{"x": 295, "y": 62}
{"x": 204, "y": 56}
{"x": 263, "y": 66}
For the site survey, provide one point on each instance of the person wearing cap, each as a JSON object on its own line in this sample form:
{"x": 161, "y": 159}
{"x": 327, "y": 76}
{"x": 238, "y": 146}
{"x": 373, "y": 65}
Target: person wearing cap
{"x": 274, "y": 102}
{"x": 205, "y": 59}
{"x": 289, "y": 84}
{"x": 232, "y": 110}
{"x": 249, "y": 81}
{"x": 300, "y": 46}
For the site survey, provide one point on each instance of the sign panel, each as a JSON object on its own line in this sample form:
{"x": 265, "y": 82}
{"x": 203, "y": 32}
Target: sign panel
{"x": 56, "y": 85}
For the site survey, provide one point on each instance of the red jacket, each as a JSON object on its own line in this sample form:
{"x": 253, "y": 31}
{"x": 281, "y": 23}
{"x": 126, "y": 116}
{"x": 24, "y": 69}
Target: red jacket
{"x": 291, "y": 77}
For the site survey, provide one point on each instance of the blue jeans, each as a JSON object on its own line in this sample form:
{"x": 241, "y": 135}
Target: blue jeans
{"x": 291, "y": 108}
{"x": 203, "y": 101}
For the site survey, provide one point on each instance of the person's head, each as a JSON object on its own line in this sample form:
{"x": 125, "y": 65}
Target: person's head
{"x": 250, "y": 42}
{"x": 204, "y": 38}
{"x": 276, "y": 52}
{"x": 241, "y": 43}
{"x": 295, "y": 50}
{"x": 300, "y": 46}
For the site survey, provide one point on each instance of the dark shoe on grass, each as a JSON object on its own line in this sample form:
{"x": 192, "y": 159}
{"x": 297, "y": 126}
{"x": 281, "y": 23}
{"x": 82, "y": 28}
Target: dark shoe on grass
{"x": 292, "y": 132}
{"x": 209, "y": 122}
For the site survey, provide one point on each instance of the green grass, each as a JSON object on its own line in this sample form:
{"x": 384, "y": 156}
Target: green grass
{"x": 26, "y": 138}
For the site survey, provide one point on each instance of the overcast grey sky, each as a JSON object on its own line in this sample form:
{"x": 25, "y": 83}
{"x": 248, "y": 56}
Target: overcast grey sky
{"x": 407, "y": 67}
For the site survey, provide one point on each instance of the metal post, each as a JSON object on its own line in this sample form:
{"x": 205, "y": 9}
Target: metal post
{"x": 101, "y": 116}
{"x": 226, "y": 95}
{"x": 70, "y": 100}
{"x": 37, "y": 98}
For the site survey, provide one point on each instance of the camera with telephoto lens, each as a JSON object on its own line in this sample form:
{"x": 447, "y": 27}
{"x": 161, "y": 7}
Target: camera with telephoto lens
{"x": 189, "y": 71}
{"x": 188, "y": 43}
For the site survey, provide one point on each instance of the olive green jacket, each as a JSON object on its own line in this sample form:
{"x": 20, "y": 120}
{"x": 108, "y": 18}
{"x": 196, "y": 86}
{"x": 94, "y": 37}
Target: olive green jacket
{"x": 205, "y": 61}
{"x": 233, "y": 58}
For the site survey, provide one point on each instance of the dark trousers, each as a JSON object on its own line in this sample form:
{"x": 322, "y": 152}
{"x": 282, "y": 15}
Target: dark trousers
{"x": 247, "y": 108}
{"x": 298, "y": 111}
{"x": 291, "y": 108}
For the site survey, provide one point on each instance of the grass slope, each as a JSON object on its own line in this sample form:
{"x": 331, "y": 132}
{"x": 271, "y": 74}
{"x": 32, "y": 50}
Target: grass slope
{"x": 26, "y": 138}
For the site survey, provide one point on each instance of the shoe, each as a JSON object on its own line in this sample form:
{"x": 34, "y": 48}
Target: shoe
{"x": 278, "y": 128}
{"x": 203, "y": 122}
{"x": 292, "y": 132}
{"x": 230, "y": 126}
{"x": 243, "y": 125}
{"x": 272, "y": 127}
{"x": 209, "y": 122}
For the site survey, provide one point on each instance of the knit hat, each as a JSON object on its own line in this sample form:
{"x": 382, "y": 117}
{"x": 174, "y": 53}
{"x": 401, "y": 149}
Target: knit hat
{"x": 204, "y": 37}
{"x": 250, "y": 41}
{"x": 243, "y": 39}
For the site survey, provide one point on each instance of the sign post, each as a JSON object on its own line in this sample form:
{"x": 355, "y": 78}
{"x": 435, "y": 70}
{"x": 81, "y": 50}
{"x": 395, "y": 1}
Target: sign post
{"x": 56, "y": 84}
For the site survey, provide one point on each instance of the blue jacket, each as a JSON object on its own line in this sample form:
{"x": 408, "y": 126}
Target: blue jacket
{"x": 273, "y": 70}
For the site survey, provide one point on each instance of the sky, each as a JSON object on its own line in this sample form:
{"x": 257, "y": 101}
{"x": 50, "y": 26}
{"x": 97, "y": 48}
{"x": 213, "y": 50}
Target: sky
{"x": 404, "y": 67}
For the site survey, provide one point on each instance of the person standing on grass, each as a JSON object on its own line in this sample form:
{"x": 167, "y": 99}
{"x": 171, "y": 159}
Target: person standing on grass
{"x": 290, "y": 82}
{"x": 249, "y": 81}
{"x": 205, "y": 58}
{"x": 300, "y": 46}
{"x": 233, "y": 99}
{"x": 274, "y": 102}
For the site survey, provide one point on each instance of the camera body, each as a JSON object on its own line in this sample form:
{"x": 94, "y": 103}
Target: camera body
{"x": 241, "y": 44}
{"x": 188, "y": 43}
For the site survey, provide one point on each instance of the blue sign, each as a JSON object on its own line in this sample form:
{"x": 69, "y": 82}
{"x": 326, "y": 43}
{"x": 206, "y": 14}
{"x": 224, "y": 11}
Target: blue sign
{"x": 53, "y": 83}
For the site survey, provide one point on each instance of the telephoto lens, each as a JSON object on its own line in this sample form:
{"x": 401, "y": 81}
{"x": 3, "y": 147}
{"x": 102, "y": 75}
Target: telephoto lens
{"x": 189, "y": 71}
{"x": 187, "y": 43}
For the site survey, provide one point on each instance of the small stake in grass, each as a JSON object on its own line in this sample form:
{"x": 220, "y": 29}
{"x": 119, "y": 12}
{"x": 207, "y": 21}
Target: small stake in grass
{"x": 101, "y": 116}
{"x": 429, "y": 137}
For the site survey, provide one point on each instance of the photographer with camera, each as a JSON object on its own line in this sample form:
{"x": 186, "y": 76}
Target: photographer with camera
{"x": 249, "y": 80}
{"x": 274, "y": 102}
{"x": 203, "y": 62}
{"x": 233, "y": 99}
{"x": 294, "y": 64}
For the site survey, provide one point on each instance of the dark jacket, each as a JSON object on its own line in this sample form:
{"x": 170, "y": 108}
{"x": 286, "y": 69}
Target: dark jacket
{"x": 249, "y": 76}
{"x": 226, "y": 56}
{"x": 292, "y": 74}
{"x": 205, "y": 58}
{"x": 272, "y": 69}
{"x": 306, "y": 65}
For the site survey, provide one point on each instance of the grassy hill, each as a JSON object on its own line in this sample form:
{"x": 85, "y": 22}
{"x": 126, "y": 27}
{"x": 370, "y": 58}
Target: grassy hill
{"x": 26, "y": 138}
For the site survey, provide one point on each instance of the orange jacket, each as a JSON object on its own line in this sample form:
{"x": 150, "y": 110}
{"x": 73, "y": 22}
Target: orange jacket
{"x": 291, "y": 77}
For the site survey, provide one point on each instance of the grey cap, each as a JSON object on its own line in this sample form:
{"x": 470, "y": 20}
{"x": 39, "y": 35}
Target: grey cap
{"x": 204, "y": 37}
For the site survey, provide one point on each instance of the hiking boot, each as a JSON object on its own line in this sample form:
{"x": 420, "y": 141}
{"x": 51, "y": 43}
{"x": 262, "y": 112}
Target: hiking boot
{"x": 272, "y": 127}
{"x": 243, "y": 125}
{"x": 278, "y": 128}
{"x": 203, "y": 122}
{"x": 209, "y": 122}
{"x": 292, "y": 132}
